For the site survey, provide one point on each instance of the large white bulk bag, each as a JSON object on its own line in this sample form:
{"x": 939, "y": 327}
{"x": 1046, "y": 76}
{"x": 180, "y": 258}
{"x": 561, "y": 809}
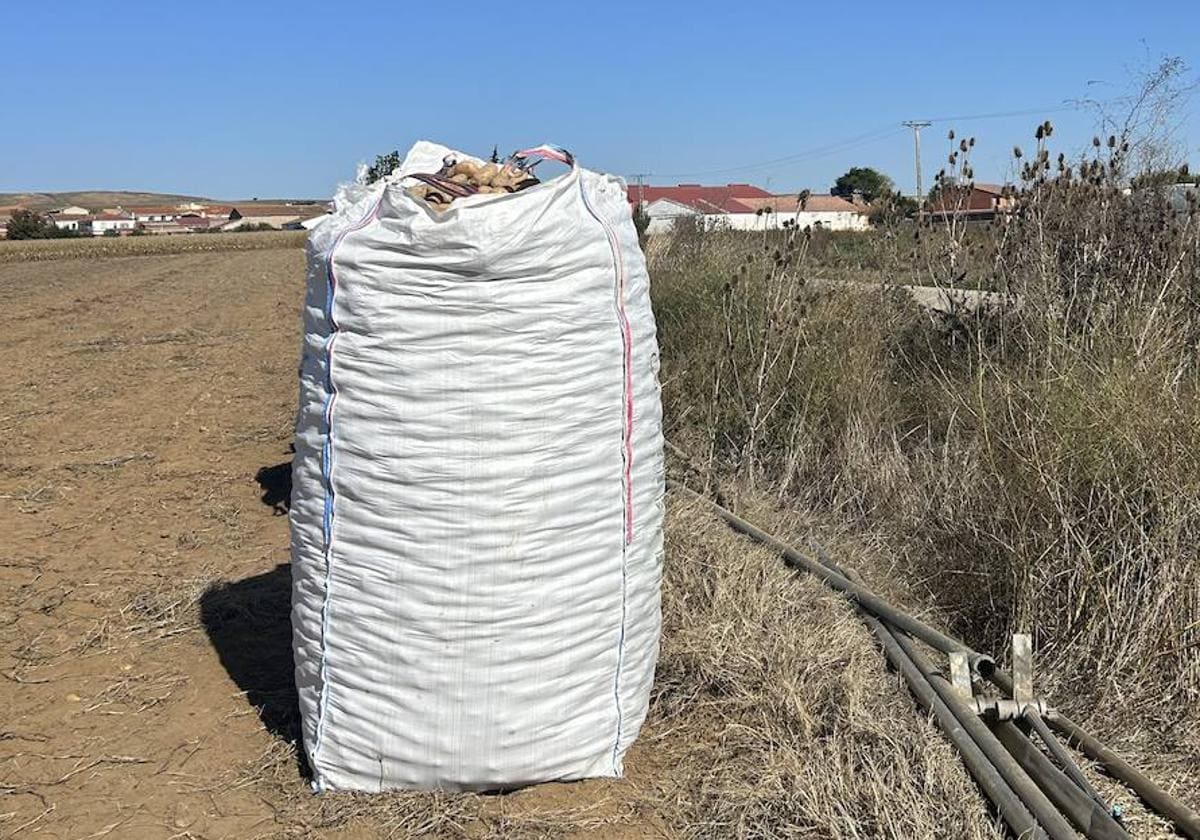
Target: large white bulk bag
{"x": 477, "y": 496}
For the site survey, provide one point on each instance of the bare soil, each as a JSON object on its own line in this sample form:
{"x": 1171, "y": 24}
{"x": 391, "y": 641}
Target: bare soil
{"x": 145, "y": 426}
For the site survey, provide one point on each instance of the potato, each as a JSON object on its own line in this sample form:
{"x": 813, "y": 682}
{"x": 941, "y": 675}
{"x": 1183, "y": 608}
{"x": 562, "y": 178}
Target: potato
{"x": 486, "y": 174}
{"x": 466, "y": 167}
{"x": 506, "y": 177}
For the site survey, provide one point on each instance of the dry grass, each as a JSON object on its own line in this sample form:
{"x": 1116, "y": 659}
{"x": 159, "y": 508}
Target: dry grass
{"x": 31, "y": 250}
{"x": 792, "y": 726}
{"x": 773, "y": 717}
{"x": 1028, "y": 468}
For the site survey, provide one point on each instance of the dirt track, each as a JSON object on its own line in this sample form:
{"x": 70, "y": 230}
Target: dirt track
{"x": 146, "y": 420}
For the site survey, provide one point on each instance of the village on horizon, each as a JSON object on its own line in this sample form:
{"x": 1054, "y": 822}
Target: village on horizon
{"x": 739, "y": 206}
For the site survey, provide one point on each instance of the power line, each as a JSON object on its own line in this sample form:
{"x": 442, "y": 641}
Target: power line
{"x": 1066, "y": 105}
{"x": 1028, "y": 112}
{"x": 817, "y": 151}
{"x": 877, "y": 134}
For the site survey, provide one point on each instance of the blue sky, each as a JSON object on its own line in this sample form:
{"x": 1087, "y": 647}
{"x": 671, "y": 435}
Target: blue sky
{"x": 237, "y": 99}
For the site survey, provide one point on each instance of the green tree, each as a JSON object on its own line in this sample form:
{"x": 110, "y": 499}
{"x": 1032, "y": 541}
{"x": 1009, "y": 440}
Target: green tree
{"x": 641, "y": 222}
{"x": 384, "y": 166}
{"x": 29, "y": 224}
{"x": 891, "y": 208}
{"x": 868, "y": 182}
{"x": 1164, "y": 178}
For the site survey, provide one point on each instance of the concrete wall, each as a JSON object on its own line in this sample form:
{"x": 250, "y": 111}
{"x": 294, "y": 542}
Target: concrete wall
{"x": 767, "y": 221}
{"x": 277, "y": 222}
{"x": 99, "y": 226}
{"x": 830, "y": 220}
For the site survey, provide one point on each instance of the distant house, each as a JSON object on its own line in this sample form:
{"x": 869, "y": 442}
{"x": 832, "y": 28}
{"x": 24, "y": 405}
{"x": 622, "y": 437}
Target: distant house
{"x": 185, "y": 222}
{"x": 81, "y": 224}
{"x": 73, "y": 211}
{"x": 662, "y": 202}
{"x": 743, "y": 207}
{"x": 120, "y": 223}
{"x": 974, "y": 201}
{"x": 830, "y": 212}
{"x": 183, "y": 218}
{"x": 664, "y": 212}
{"x": 155, "y": 213}
{"x": 665, "y": 205}
{"x": 163, "y": 228}
{"x": 4, "y": 220}
{"x": 191, "y": 217}
{"x": 224, "y": 212}
{"x": 196, "y": 222}
{"x": 279, "y": 216}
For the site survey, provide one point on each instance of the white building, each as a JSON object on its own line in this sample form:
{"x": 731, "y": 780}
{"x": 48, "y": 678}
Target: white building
{"x": 664, "y": 212}
{"x": 81, "y": 224}
{"x": 120, "y": 223}
{"x": 744, "y": 207}
{"x": 156, "y": 214}
{"x": 254, "y": 214}
{"x": 830, "y": 212}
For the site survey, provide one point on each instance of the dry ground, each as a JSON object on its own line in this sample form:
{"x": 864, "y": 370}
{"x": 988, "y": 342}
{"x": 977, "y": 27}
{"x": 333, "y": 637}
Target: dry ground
{"x": 145, "y": 670}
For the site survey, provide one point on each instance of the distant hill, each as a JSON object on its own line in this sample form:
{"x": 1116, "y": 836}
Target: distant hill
{"x": 99, "y": 199}
{"x": 92, "y": 199}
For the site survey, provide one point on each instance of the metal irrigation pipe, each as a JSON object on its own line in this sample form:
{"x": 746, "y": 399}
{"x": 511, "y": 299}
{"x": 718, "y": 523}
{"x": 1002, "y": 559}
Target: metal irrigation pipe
{"x": 1013, "y": 810}
{"x": 981, "y": 664}
{"x": 1072, "y": 795}
{"x": 1025, "y": 809}
{"x": 1078, "y": 813}
{"x": 993, "y": 782}
{"x": 1184, "y": 818}
{"x": 1089, "y": 813}
{"x": 1054, "y": 823}
{"x": 1064, "y": 759}
{"x": 1089, "y": 816}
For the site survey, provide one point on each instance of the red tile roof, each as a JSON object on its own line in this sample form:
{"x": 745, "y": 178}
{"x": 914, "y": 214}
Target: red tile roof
{"x": 193, "y": 220}
{"x": 702, "y": 199}
{"x": 261, "y": 209}
{"x": 739, "y": 198}
{"x": 156, "y": 210}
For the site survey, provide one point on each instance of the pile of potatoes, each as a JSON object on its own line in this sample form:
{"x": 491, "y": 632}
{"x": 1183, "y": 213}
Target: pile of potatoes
{"x": 460, "y": 178}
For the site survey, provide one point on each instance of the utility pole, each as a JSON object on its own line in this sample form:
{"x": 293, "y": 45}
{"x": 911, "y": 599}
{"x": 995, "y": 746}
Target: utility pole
{"x": 641, "y": 193}
{"x": 916, "y": 126}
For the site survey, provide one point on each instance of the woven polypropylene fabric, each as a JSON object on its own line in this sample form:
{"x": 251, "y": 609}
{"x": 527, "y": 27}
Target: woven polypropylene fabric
{"x": 477, "y": 487}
